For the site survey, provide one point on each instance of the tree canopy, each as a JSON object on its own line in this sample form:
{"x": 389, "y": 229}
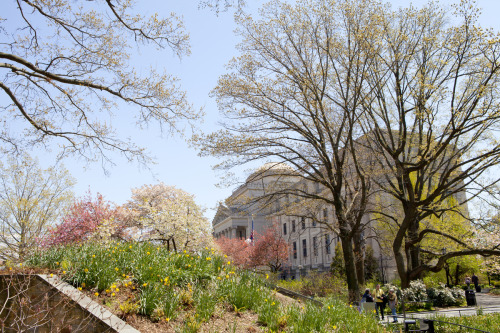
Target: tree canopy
{"x": 360, "y": 98}
{"x": 31, "y": 199}
{"x": 168, "y": 215}
{"x": 66, "y": 74}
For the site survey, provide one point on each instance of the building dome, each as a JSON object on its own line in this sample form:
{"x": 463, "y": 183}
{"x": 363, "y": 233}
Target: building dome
{"x": 271, "y": 168}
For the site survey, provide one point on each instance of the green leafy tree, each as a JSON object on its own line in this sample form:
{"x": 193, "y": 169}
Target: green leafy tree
{"x": 432, "y": 126}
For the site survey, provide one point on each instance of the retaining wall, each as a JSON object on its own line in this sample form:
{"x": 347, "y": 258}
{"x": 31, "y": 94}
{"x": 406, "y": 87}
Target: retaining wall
{"x": 40, "y": 303}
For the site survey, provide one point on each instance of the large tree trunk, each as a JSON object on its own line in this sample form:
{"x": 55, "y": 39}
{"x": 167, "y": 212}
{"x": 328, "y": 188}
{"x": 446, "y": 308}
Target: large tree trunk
{"x": 413, "y": 248}
{"x": 397, "y": 249}
{"x": 350, "y": 268}
{"x": 359, "y": 256}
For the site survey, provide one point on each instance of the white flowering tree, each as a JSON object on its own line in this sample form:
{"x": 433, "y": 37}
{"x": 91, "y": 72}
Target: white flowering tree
{"x": 168, "y": 215}
{"x": 488, "y": 235}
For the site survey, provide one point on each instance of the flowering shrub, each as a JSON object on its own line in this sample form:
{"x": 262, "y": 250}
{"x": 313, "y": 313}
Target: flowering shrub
{"x": 444, "y": 296}
{"x": 417, "y": 292}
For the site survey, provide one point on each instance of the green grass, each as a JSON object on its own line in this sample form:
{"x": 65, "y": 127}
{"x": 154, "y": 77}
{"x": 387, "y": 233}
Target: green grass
{"x": 165, "y": 284}
{"x": 488, "y": 322}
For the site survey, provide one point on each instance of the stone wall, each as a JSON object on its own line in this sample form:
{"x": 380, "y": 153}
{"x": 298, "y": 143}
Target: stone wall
{"x": 40, "y": 303}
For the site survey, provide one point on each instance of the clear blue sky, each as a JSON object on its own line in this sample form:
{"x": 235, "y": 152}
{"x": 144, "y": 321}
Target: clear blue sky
{"x": 212, "y": 46}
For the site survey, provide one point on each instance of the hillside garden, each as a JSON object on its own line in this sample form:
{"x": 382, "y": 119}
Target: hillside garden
{"x": 158, "y": 290}
{"x": 188, "y": 291}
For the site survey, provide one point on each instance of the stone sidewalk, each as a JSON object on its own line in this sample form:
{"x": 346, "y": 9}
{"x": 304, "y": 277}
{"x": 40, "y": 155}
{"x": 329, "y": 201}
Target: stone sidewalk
{"x": 486, "y": 303}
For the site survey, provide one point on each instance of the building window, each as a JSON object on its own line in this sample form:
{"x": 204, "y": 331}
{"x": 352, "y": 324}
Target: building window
{"x": 304, "y": 248}
{"x": 303, "y": 222}
{"x": 317, "y": 187}
{"x": 327, "y": 244}
{"x": 325, "y": 214}
{"x": 313, "y": 222}
{"x": 293, "y": 225}
{"x": 315, "y": 246}
{"x": 294, "y": 250}
{"x": 284, "y": 228}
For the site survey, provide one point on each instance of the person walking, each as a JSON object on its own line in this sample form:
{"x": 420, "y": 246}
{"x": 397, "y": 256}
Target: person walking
{"x": 475, "y": 280}
{"x": 393, "y": 302}
{"x": 379, "y": 301}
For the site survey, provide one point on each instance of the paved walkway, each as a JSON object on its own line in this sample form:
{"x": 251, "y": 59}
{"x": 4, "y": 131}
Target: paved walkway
{"x": 486, "y": 302}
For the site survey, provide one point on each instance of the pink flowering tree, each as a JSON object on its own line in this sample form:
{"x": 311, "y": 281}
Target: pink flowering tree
{"x": 269, "y": 249}
{"x": 83, "y": 220}
{"x": 239, "y": 250}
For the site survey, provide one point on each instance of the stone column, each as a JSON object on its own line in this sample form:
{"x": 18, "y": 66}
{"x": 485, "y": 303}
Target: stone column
{"x": 233, "y": 233}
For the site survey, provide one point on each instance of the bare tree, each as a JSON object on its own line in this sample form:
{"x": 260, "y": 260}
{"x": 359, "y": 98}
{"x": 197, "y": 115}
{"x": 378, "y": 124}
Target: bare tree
{"x": 293, "y": 97}
{"x": 65, "y": 67}
{"x": 30, "y": 200}
{"x": 432, "y": 123}
{"x": 218, "y": 5}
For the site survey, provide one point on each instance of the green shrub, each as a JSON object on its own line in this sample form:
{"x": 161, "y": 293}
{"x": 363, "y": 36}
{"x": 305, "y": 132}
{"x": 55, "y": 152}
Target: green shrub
{"x": 318, "y": 285}
{"x": 495, "y": 291}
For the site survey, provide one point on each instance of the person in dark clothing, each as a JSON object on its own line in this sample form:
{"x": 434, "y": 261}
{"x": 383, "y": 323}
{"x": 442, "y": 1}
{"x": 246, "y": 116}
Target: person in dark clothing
{"x": 367, "y": 297}
{"x": 475, "y": 280}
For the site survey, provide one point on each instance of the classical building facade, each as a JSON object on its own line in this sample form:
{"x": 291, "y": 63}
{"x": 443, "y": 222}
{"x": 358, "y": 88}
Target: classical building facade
{"x": 311, "y": 245}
